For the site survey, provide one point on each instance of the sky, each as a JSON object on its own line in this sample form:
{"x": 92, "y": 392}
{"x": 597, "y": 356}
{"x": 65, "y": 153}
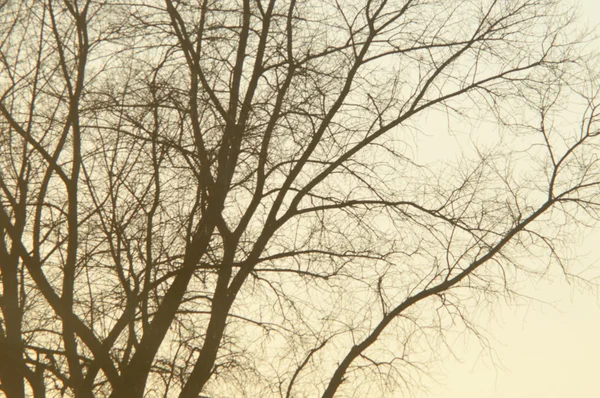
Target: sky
{"x": 539, "y": 351}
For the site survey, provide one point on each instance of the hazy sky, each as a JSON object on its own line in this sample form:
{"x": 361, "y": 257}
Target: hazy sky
{"x": 542, "y": 352}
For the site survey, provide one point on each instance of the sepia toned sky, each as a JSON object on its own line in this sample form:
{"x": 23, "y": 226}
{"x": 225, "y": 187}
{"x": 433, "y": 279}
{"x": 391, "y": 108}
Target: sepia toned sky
{"x": 538, "y": 350}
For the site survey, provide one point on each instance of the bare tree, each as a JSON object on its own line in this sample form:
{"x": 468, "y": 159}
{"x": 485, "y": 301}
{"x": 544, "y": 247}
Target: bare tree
{"x": 230, "y": 197}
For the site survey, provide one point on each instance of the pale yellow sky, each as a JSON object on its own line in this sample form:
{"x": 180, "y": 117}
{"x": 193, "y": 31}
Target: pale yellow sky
{"x": 543, "y": 352}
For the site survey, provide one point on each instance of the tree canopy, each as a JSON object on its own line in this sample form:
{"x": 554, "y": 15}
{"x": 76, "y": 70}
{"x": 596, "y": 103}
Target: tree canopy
{"x": 247, "y": 198}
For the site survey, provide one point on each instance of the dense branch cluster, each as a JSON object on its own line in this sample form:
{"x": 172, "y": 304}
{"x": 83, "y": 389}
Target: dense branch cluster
{"x": 233, "y": 197}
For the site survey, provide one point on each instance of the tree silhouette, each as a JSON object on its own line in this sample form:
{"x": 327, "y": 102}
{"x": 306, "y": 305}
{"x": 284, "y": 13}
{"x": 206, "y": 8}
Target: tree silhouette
{"x": 230, "y": 198}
